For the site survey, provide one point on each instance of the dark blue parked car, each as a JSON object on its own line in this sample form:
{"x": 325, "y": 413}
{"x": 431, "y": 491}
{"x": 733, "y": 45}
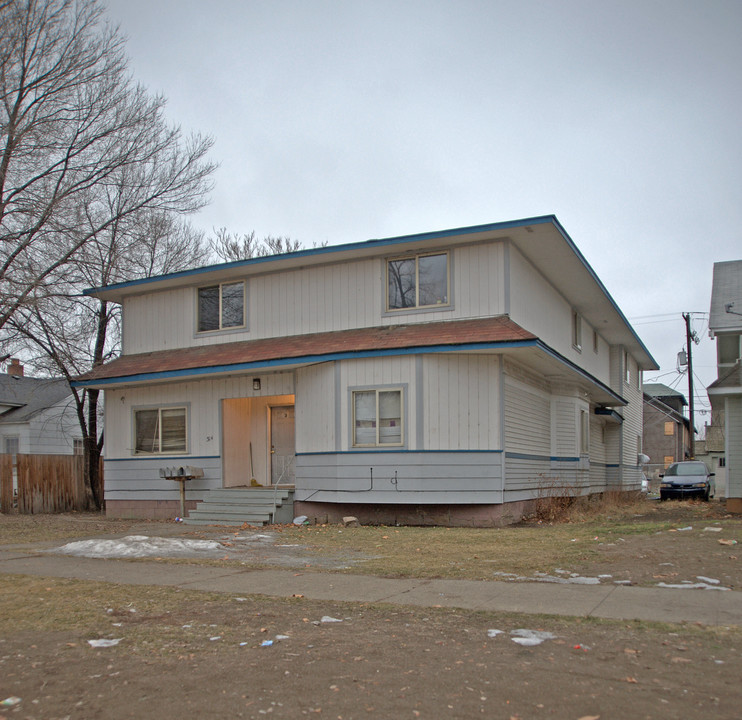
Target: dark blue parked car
{"x": 687, "y": 479}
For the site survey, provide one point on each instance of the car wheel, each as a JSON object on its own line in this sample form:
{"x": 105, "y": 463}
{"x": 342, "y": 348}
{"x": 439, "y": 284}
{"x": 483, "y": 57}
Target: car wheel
{"x": 706, "y": 495}
{"x": 663, "y": 497}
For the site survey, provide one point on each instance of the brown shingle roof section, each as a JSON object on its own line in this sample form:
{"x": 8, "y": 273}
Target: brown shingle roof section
{"x": 393, "y": 337}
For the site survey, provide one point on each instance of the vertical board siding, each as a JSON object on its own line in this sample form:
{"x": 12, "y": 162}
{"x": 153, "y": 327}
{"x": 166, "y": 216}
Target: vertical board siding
{"x": 461, "y": 404}
{"x": 203, "y": 399}
{"x": 316, "y": 299}
{"x": 6, "y": 483}
{"x": 50, "y": 483}
{"x": 315, "y": 408}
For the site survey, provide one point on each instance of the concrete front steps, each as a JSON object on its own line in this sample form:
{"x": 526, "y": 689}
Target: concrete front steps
{"x": 237, "y": 506}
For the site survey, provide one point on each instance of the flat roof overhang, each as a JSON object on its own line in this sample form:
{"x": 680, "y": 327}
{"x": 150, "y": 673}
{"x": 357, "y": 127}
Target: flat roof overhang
{"x": 542, "y": 240}
{"x": 532, "y": 354}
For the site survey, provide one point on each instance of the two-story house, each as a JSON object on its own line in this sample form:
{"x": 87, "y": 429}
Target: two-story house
{"x": 447, "y": 377}
{"x": 725, "y": 394}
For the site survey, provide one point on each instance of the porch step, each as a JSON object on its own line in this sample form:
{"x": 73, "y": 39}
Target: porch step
{"x": 237, "y": 506}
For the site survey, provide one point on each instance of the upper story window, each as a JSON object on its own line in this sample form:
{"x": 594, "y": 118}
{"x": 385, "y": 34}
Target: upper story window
{"x": 418, "y": 281}
{"x": 160, "y": 430}
{"x": 576, "y": 331}
{"x": 728, "y": 349}
{"x": 596, "y": 342}
{"x": 221, "y": 307}
{"x": 377, "y": 418}
{"x": 626, "y": 368}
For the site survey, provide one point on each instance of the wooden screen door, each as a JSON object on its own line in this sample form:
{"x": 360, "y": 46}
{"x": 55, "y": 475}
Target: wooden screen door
{"x": 283, "y": 444}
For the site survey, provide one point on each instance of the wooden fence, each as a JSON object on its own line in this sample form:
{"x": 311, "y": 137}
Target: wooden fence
{"x": 45, "y": 483}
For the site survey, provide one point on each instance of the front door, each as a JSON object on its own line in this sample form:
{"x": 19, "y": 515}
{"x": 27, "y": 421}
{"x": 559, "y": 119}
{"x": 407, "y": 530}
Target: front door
{"x": 283, "y": 444}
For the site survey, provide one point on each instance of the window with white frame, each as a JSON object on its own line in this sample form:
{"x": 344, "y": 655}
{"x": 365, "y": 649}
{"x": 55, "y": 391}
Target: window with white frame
{"x": 78, "y": 448}
{"x": 160, "y": 431}
{"x": 377, "y": 418}
{"x": 11, "y": 444}
{"x": 418, "y": 281}
{"x": 221, "y": 307}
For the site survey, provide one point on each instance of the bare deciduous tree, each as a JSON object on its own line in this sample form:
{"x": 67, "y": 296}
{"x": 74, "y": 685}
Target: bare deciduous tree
{"x": 81, "y": 146}
{"x": 93, "y": 182}
{"x": 229, "y": 247}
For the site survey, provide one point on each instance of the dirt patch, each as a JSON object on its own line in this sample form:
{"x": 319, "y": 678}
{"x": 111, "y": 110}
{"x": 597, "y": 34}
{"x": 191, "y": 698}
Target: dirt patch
{"x": 200, "y": 655}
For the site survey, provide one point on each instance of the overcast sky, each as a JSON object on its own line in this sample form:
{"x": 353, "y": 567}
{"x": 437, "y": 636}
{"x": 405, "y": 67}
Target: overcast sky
{"x": 341, "y": 121}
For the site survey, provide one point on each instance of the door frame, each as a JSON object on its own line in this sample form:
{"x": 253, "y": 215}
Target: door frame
{"x": 269, "y": 460}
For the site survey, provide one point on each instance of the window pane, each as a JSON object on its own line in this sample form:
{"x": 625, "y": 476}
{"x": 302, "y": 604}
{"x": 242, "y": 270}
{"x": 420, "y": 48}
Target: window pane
{"x": 147, "y": 431}
{"x": 233, "y": 297}
{"x": 401, "y": 281}
{"x": 433, "y": 274}
{"x": 364, "y": 432}
{"x": 174, "y": 430}
{"x": 208, "y": 308}
{"x": 390, "y": 417}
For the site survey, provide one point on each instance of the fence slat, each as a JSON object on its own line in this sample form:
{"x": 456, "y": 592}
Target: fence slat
{"x": 50, "y": 483}
{"x": 6, "y": 483}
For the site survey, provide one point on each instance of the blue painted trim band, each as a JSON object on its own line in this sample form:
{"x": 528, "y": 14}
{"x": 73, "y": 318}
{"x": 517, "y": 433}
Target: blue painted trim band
{"x": 540, "y": 458}
{"x": 163, "y": 458}
{"x": 396, "y": 452}
{"x": 310, "y": 252}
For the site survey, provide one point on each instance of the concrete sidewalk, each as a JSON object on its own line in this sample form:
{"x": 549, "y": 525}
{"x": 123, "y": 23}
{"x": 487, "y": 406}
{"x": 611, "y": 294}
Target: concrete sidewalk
{"x": 616, "y": 602}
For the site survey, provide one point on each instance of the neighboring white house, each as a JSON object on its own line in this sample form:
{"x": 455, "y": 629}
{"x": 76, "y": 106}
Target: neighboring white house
{"x": 448, "y": 377}
{"x": 725, "y": 394}
{"x": 37, "y": 415}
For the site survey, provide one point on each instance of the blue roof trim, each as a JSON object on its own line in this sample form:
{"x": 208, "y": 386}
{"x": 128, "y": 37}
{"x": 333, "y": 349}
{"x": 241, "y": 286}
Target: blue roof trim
{"x": 302, "y": 360}
{"x": 155, "y": 456}
{"x": 397, "y": 451}
{"x": 310, "y": 252}
{"x": 599, "y": 283}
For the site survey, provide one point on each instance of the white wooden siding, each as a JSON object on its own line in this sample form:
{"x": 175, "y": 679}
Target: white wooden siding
{"x": 537, "y": 306}
{"x": 598, "y": 456}
{"x": 733, "y": 412}
{"x": 49, "y": 432}
{"x": 203, "y": 398}
{"x": 315, "y": 299}
{"x": 315, "y": 408}
{"x": 527, "y": 419}
{"x": 461, "y": 402}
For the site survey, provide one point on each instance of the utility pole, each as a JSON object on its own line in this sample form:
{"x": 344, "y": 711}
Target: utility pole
{"x": 689, "y": 339}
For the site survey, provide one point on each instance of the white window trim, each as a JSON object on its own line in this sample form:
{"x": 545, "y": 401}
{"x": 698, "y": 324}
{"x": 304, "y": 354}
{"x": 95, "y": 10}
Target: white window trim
{"x": 417, "y": 307}
{"x": 576, "y": 331}
{"x": 221, "y": 328}
{"x": 143, "y": 453}
{"x": 378, "y": 389}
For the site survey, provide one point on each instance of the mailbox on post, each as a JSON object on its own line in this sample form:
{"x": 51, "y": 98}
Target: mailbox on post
{"x": 181, "y": 474}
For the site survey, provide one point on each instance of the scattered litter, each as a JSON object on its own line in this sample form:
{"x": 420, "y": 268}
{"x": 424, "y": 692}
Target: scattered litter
{"x": 301, "y": 519}
{"x": 727, "y": 542}
{"x": 605, "y": 576}
{"x": 494, "y": 633}
{"x": 529, "y": 638}
{"x": 10, "y": 701}
{"x": 240, "y": 599}
{"x": 282, "y": 637}
{"x": 690, "y": 527}
{"x": 266, "y": 643}
{"x": 216, "y": 637}
{"x": 719, "y": 662}
{"x": 710, "y": 581}
{"x": 584, "y": 648}
{"x": 328, "y": 619}
{"x": 242, "y": 644}
{"x": 177, "y": 519}
{"x": 712, "y": 529}
{"x": 104, "y": 642}
{"x": 622, "y": 582}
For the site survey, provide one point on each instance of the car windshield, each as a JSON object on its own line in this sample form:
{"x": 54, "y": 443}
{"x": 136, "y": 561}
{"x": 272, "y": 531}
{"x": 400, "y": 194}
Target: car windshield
{"x": 686, "y": 469}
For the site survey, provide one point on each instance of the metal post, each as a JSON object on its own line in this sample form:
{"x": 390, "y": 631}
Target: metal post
{"x": 689, "y": 341}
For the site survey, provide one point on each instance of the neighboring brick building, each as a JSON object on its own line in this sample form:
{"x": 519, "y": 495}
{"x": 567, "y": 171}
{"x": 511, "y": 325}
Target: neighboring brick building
{"x": 666, "y": 436}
